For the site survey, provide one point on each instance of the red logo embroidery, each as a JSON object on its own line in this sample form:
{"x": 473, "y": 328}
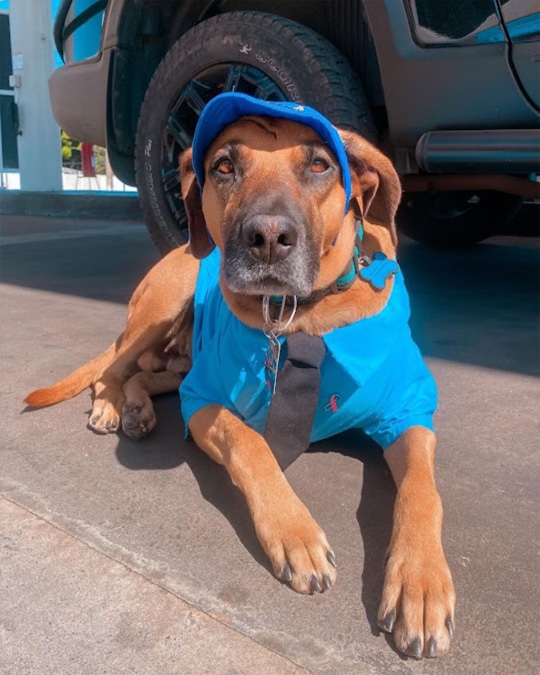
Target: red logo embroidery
{"x": 332, "y": 404}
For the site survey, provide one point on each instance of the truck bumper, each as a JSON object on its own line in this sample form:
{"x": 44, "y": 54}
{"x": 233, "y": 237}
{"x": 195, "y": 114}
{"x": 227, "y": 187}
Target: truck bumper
{"x": 78, "y": 95}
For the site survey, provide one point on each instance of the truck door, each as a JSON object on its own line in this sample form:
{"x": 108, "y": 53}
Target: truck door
{"x": 521, "y": 22}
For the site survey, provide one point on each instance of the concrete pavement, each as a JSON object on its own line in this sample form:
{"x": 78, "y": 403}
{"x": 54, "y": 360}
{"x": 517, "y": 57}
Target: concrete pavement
{"x": 125, "y": 557}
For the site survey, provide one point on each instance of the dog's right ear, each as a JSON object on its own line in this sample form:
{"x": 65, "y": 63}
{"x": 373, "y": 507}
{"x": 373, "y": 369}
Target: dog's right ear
{"x": 374, "y": 181}
{"x": 200, "y": 242}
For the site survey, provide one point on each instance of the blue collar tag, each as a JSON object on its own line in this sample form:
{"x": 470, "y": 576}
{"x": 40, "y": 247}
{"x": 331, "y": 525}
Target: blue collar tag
{"x": 378, "y": 270}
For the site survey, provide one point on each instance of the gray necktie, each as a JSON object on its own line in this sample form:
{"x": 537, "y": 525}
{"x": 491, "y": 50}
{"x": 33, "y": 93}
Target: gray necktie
{"x": 292, "y": 410}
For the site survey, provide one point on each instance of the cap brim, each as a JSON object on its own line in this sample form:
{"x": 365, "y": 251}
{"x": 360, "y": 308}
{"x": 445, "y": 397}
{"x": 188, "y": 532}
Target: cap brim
{"x": 227, "y": 108}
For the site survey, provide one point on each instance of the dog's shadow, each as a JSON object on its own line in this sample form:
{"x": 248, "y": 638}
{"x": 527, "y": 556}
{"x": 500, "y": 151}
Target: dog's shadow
{"x": 374, "y": 514}
{"x": 166, "y": 449}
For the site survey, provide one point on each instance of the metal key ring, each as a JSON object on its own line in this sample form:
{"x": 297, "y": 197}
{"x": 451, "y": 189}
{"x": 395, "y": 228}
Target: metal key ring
{"x": 275, "y": 325}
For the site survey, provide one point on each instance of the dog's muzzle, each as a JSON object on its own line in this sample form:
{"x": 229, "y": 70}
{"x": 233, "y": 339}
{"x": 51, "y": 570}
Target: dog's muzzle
{"x": 268, "y": 254}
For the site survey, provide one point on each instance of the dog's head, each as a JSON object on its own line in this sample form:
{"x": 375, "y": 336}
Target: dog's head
{"x": 277, "y": 199}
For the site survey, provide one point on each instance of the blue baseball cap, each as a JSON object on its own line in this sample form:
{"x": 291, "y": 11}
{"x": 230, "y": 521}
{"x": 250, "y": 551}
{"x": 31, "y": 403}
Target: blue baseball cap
{"x": 227, "y": 108}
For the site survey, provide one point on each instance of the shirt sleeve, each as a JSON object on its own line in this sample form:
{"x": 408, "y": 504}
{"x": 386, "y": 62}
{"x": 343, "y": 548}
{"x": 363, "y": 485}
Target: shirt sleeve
{"x": 203, "y": 386}
{"x": 411, "y": 399}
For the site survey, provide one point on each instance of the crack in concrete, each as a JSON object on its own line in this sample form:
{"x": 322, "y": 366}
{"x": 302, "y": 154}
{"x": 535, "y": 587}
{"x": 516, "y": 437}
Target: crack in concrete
{"x": 36, "y": 505}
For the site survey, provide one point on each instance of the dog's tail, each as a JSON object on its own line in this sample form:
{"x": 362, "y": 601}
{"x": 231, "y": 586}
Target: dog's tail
{"x": 73, "y": 384}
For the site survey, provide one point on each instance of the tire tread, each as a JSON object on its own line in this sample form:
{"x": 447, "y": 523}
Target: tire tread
{"x": 333, "y": 79}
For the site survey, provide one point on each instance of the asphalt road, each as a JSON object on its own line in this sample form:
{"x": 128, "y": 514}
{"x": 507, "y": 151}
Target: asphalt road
{"x": 126, "y": 557}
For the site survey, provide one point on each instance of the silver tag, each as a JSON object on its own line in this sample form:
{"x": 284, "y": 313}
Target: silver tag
{"x": 272, "y": 329}
{"x": 272, "y": 362}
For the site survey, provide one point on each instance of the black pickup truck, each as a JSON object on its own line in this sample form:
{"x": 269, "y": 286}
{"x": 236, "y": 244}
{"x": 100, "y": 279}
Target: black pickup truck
{"x": 449, "y": 89}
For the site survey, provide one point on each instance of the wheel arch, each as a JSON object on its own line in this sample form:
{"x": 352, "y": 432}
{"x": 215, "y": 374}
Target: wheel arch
{"x": 142, "y": 33}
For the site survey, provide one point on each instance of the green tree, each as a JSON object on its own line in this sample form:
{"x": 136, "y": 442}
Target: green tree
{"x": 68, "y": 146}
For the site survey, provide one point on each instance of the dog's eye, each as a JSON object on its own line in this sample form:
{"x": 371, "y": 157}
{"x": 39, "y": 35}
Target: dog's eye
{"x": 319, "y": 165}
{"x": 224, "y": 166}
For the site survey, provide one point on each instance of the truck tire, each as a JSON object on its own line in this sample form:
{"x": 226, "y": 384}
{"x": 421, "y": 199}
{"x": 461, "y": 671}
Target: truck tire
{"x": 252, "y": 52}
{"x": 456, "y": 219}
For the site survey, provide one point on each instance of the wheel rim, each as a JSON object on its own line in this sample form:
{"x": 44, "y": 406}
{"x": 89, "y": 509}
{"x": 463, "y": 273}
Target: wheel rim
{"x": 186, "y": 110}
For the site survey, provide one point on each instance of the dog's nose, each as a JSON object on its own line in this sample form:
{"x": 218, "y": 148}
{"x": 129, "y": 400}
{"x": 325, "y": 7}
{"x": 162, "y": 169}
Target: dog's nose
{"x": 269, "y": 238}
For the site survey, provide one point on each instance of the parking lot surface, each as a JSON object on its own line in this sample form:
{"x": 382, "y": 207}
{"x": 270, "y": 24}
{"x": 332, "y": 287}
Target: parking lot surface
{"x": 140, "y": 557}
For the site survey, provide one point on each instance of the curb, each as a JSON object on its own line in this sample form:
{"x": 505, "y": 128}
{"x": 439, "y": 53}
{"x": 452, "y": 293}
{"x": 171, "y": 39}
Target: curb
{"x": 125, "y": 206}
{"x": 116, "y": 205}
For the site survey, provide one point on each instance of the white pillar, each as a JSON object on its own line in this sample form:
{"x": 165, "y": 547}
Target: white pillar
{"x": 39, "y": 144}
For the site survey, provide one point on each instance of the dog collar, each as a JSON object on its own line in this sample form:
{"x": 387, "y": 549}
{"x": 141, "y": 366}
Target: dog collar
{"x": 343, "y": 282}
{"x": 374, "y": 270}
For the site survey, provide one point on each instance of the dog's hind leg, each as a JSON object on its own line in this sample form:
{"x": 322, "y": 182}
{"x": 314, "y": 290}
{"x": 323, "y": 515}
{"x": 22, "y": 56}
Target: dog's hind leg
{"x": 138, "y": 417}
{"x": 108, "y": 394}
{"x": 161, "y": 297}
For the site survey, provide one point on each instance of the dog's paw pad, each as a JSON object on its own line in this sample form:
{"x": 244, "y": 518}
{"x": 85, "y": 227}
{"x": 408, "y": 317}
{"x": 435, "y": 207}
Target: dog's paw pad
{"x": 138, "y": 419}
{"x": 104, "y": 419}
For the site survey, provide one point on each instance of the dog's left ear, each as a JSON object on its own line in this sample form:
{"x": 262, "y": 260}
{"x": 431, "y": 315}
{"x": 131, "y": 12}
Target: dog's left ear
{"x": 200, "y": 242}
{"x": 375, "y": 182}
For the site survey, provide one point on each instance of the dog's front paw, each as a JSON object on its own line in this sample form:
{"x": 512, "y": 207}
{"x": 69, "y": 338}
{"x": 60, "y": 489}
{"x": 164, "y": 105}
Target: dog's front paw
{"x": 297, "y": 547}
{"x": 138, "y": 418}
{"x": 418, "y": 601}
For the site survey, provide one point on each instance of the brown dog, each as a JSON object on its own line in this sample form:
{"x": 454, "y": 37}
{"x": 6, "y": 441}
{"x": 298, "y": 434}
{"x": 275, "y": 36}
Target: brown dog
{"x": 155, "y": 349}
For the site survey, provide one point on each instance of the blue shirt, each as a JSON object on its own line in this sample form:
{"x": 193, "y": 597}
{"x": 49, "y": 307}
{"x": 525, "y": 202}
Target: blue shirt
{"x": 372, "y": 377}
